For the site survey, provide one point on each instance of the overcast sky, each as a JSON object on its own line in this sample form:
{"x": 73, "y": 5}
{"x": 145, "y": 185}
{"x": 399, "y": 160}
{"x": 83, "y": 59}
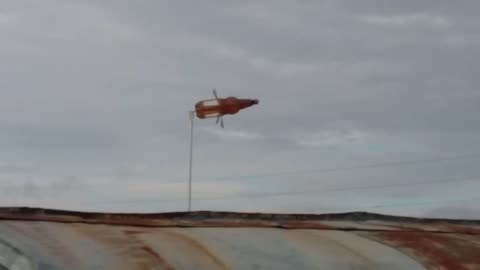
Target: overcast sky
{"x": 364, "y": 105}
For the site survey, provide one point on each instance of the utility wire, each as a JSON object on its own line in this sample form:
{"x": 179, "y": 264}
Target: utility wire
{"x": 304, "y": 192}
{"x": 339, "y": 169}
{"x": 393, "y": 205}
{"x": 328, "y": 170}
{"x": 419, "y": 203}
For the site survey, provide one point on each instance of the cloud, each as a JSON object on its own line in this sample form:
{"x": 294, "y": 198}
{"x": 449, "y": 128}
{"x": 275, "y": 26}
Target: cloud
{"x": 334, "y": 138}
{"x": 264, "y": 64}
{"x": 7, "y": 168}
{"x": 421, "y": 19}
{"x": 100, "y": 90}
{"x": 232, "y": 134}
{"x": 7, "y": 19}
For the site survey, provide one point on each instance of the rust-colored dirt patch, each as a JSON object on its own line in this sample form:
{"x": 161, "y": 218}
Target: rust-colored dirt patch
{"x": 439, "y": 250}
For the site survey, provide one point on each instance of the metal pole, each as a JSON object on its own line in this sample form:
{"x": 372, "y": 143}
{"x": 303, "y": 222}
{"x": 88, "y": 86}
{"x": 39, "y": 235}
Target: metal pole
{"x": 192, "y": 117}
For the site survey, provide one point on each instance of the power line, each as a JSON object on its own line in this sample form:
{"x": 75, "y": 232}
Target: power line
{"x": 368, "y": 166}
{"x": 393, "y": 205}
{"x": 303, "y": 192}
{"x": 333, "y": 190}
{"x": 327, "y": 170}
{"x": 419, "y": 203}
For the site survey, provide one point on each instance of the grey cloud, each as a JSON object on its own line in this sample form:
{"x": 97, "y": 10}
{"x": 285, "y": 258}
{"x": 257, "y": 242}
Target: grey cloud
{"x": 415, "y": 51}
{"x": 101, "y": 89}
